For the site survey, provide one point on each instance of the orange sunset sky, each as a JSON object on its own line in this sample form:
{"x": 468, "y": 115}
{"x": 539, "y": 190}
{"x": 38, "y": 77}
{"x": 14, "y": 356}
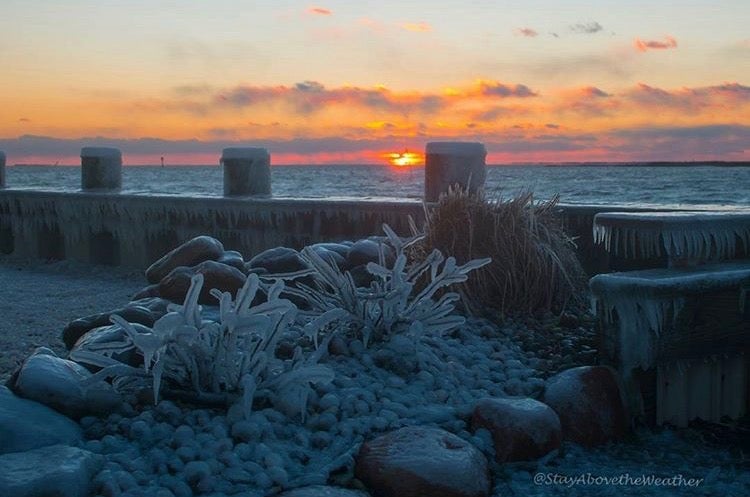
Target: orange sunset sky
{"x": 351, "y": 82}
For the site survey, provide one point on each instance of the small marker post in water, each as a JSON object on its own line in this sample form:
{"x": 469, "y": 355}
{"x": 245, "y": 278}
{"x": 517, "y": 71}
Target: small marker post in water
{"x": 2, "y": 169}
{"x": 247, "y": 171}
{"x": 453, "y": 163}
{"x": 101, "y": 168}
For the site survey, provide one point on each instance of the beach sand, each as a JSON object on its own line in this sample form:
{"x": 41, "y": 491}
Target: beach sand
{"x": 38, "y": 299}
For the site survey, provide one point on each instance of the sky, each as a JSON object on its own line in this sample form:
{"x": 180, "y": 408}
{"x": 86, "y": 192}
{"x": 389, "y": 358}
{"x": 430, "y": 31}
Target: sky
{"x": 359, "y": 82}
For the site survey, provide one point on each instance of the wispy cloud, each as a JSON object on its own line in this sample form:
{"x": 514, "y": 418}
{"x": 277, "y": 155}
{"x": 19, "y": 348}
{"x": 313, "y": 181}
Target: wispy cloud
{"x": 417, "y": 27}
{"x": 527, "y": 32}
{"x": 319, "y": 11}
{"x": 586, "y": 27}
{"x": 646, "y": 45}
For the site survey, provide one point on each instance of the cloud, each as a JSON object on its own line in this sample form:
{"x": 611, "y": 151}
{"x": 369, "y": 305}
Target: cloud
{"x": 319, "y": 11}
{"x": 586, "y": 27}
{"x": 24, "y": 120}
{"x": 527, "y": 32}
{"x": 726, "y": 95}
{"x": 646, "y": 45}
{"x": 497, "y": 89}
{"x": 417, "y": 27}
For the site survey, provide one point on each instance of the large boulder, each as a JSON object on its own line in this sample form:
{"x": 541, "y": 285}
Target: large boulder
{"x": 26, "y": 425}
{"x": 590, "y": 403}
{"x": 190, "y": 253}
{"x": 58, "y": 383}
{"x": 54, "y": 471}
{"x": 224, "y": 278}
{"x": 420, "y": 461}
{"x": 131, "y": 313}
{"x": 277, "y": 260}
{"x": 322, "y": 491}
{"x": 521, "y": 429}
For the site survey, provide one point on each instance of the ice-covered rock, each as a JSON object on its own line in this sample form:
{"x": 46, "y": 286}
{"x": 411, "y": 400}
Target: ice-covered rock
{"x": 590, "y": 403}
{"x": 131, "y": 313}
{"x": 234, "y": 259}
{"x": 522, "y": 429}
{"x": 340, "y": 248}
{"x": 362, "y": 252}
{"x": 25, "y": 425}
{"x": 58, "y": 383}
{"x": 110, "y": 337}
{"x": 420, "y": 461}
{"x": 277, "y": 260}
{"x": 224, "y": 278}
{"x": 54, "y": 471}
{"x": 322, "y": 491}
{"x": 190, "y": 253}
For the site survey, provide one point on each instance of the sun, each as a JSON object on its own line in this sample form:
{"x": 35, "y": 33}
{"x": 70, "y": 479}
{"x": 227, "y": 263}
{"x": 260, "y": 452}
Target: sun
{"x": 404, "y": 159}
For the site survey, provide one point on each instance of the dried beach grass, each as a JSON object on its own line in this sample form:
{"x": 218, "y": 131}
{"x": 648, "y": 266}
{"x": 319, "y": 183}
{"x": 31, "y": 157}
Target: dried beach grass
{"x": 534, "y": 267}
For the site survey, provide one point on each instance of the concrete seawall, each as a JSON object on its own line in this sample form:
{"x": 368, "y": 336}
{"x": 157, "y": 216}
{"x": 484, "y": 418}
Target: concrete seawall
{"x": 135, "y": 230}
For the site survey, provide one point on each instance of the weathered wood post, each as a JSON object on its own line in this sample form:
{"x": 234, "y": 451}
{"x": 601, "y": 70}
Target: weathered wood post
{"x": 2, "y": 169}
{"x": 453, "y": 163}
{"x": 247, "y": 171}
{"x": 101, "y": 168}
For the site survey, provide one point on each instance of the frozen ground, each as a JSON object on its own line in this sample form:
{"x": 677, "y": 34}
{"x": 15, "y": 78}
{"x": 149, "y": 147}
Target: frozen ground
{"x": 38, "y": 299}
{"x": 173, "y": 450}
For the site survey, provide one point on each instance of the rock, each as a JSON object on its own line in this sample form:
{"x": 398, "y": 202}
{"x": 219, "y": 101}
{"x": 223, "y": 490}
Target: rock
{"x": 330, "y": 256}
{"x": 361, "y": 276}
{"x": 278, "y": 260}
{"x": 56, "y": 383}
{"x": 190, "y": 253}
{"x": 362, "y": 252}
{"x": 97, "y": 338}
{"x": 340, "y": 248}
{"x": 234, "y": 259}
{"x": 55, "y": 471}
{"x": 521, "y": 429}
{"x": 26, "y": 425}
{"x": 419, "y": 461}
{"x": 131, "y": 313}
{"x": 569, "y": 320}
{"x": 157, "y": 305}
{"x": 589, "y": 402}
{"x": 215, "y": 275}
{"x": 322, "y": 491}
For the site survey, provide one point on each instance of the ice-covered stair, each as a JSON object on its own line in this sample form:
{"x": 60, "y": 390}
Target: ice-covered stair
{"x": 640, "y": 310}
{"x": 691, "y": 235}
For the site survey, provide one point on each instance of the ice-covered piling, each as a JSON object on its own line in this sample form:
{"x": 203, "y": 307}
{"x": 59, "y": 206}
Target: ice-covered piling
{"x": 2, "y": 170}
{"x": 453, "y": 163}
{"x": 247, "y": 171}
{"x": 101, "y": 168}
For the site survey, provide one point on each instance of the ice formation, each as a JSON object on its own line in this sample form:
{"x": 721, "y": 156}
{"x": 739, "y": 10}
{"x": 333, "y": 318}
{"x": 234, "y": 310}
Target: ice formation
{"x": 690, "y": 234}
{"x": 645, "y": 300}
{"x": 134, "y": 219}
{"x": 456, "y": 148}
{"x": 250, "y": 153}
{"x": 113, "y": 153}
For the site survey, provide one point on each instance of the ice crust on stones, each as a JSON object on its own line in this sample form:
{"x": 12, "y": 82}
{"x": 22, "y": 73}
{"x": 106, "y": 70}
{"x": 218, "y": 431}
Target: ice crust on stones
{"x": 521, "y": 429}
{"x": 56, "y": 470}
{"x": 416, "y": 461}
{"x": 25, "y": 425}
{"x": 456, "y": 148}
{"x": 59, "y": 384}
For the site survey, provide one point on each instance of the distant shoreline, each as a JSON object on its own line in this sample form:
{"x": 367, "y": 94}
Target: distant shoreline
{"x": 712, "y": 163}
